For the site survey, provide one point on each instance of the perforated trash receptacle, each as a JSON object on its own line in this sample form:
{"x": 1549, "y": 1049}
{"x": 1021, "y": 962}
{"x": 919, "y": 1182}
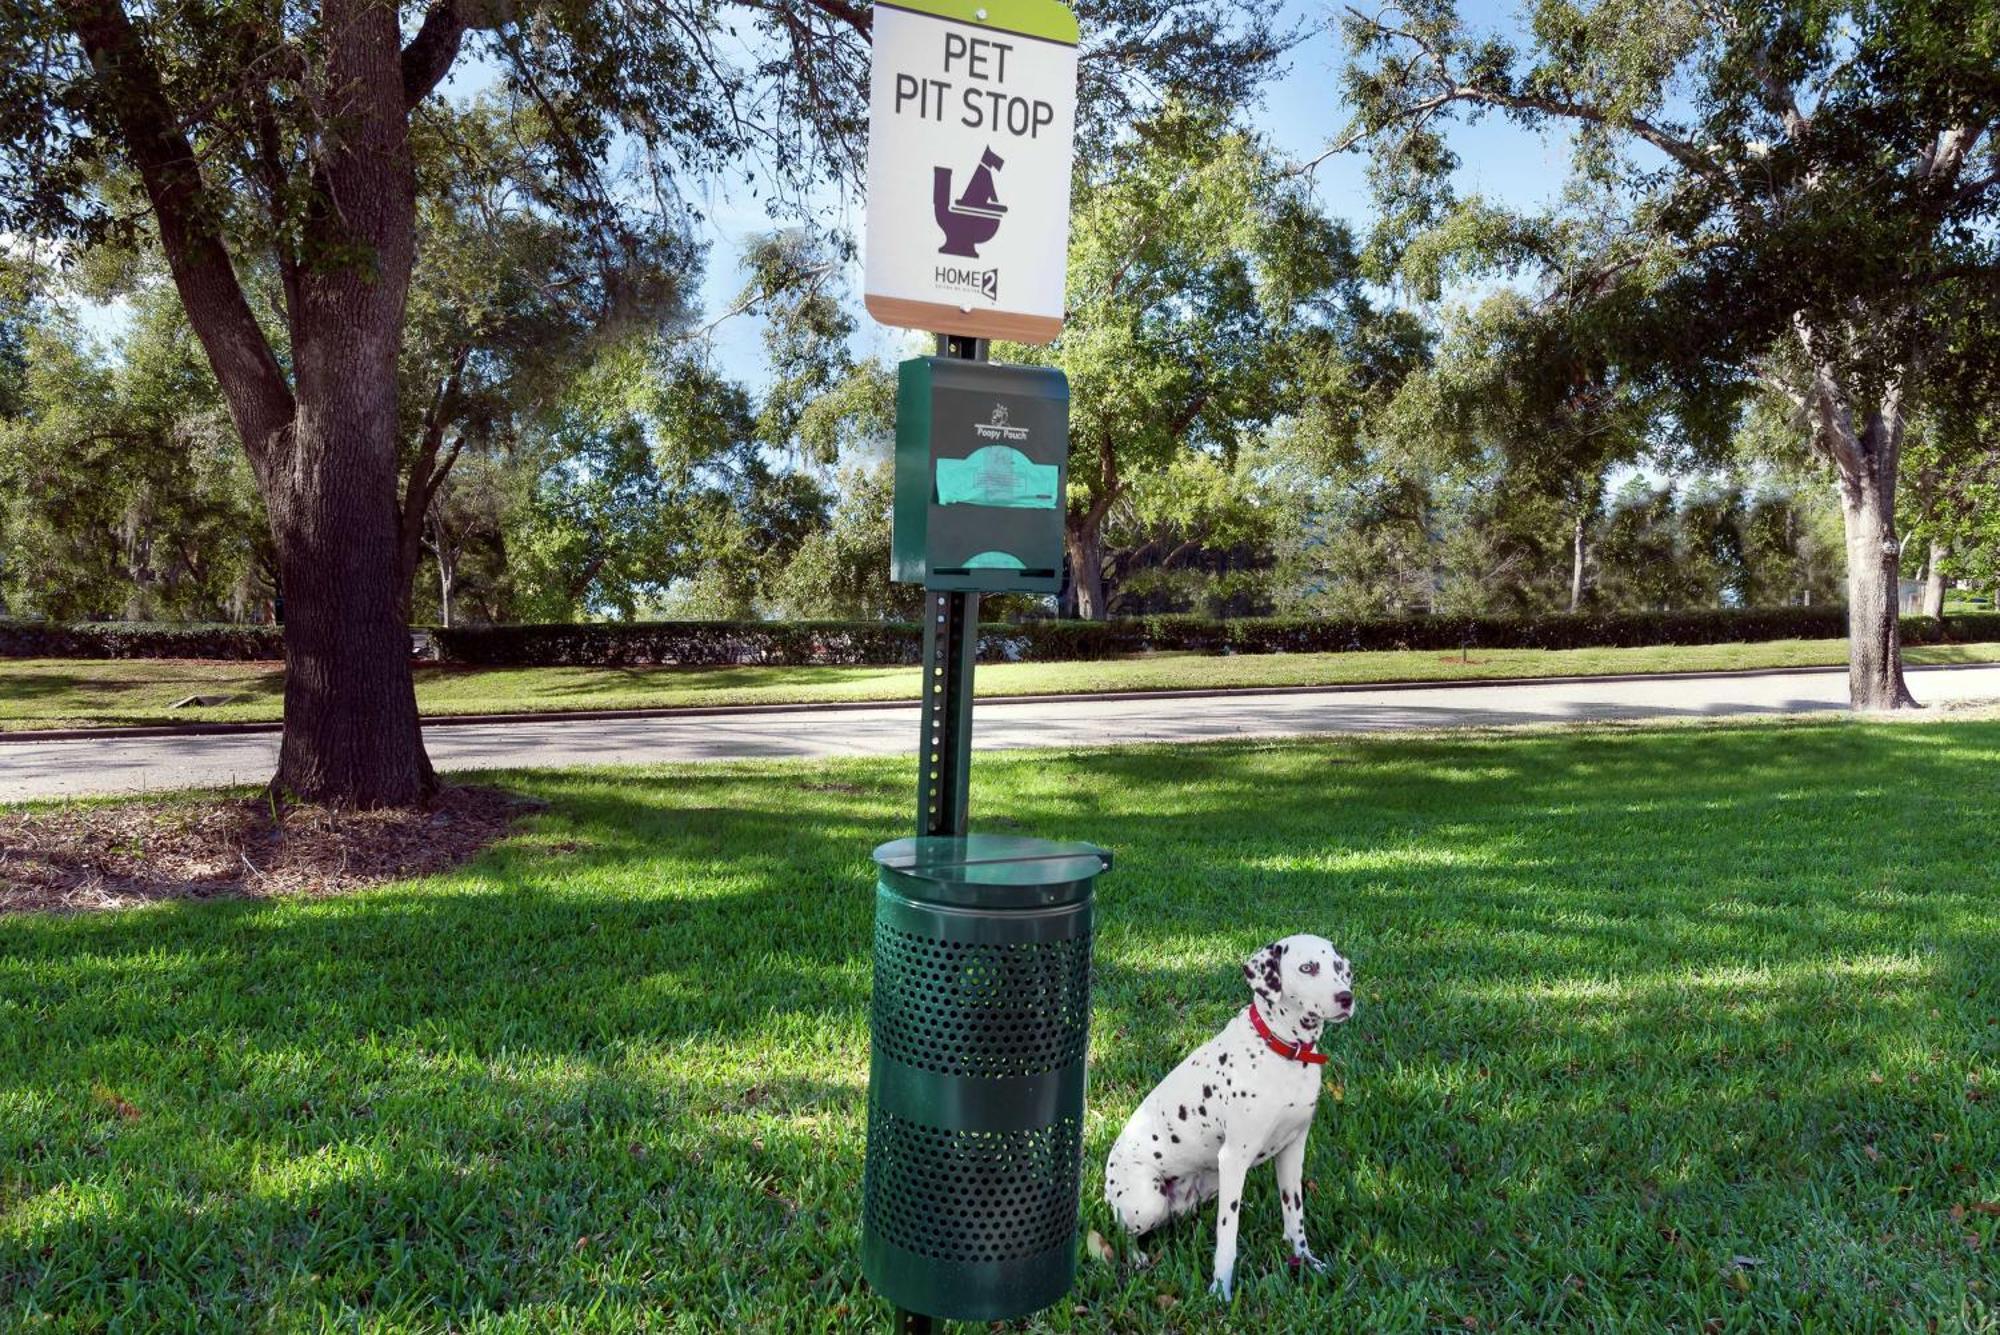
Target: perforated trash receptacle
{"x": 980, "y": 1027}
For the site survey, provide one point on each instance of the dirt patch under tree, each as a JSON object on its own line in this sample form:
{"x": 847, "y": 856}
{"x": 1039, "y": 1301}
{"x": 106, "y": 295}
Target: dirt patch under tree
{"x": 119, "y": 854}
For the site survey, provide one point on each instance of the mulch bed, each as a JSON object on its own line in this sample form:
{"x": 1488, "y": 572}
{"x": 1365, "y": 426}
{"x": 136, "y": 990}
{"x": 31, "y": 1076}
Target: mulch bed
{"x": 119, "y": 854}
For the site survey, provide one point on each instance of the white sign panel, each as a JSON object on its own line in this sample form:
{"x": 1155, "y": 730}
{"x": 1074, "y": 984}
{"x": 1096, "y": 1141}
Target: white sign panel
{"x": 971, "y": 123}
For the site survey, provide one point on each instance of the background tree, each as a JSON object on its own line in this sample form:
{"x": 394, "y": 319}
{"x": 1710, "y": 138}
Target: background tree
{"x": 1524, "y": 393}
{"x": 274, "y": 143}
{"x": 123, "y": 491}
{"x": 1957, "y": 503}
{"x": 517, "y": 287}
{"x": 1800, "y": 199}
{"x": 1199, "y": 536}
{"x": 1198, "y": 271}
{"x": 841, "y": 568}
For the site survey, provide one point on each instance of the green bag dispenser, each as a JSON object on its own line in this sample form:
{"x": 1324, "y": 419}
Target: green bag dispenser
{"x": 982, "y": 455}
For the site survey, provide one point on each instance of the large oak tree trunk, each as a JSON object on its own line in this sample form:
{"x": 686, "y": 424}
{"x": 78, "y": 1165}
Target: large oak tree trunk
{"x": 322, "y": 436}
{"x": 1863, "y": 436}
{"x": 351, "y": 731}
{"x": 1875, "y": 651}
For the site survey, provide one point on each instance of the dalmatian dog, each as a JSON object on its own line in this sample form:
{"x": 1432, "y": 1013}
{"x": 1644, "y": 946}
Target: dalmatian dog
{"x": 1245, "y": 1096}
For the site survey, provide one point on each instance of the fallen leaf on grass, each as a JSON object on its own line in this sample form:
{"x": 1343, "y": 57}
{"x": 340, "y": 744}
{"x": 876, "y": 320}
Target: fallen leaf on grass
{"x": 126, "y": 1110}
{"x": 1099, "y": 1249}
{"x": 1165, "y": 1301}
{"x": 1985, "y": 1207}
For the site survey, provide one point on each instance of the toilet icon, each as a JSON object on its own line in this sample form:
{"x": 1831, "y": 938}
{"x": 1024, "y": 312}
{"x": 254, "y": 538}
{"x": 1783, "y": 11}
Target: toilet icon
{"x": 970, "y": 220}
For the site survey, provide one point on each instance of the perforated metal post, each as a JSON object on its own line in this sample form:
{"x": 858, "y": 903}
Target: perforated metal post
{"x": 944, "y": 760}
{"x": 951, "y": 649}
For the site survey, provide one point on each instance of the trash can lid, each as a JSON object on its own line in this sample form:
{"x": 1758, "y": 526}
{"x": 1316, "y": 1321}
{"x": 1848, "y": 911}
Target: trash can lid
{"x": 993, "y": 870}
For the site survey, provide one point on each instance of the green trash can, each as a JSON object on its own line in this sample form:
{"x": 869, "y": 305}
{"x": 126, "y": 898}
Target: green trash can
{"x": 979, "y": 1029}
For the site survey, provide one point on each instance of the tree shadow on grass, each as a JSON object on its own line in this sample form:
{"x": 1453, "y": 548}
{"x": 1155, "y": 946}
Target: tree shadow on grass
{"x": 1622, "y": 1013}
{"x": 523, "y": 1194}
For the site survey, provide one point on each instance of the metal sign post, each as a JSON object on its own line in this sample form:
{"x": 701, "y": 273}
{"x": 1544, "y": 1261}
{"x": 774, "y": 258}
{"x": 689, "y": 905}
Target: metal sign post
{"x": 972, "y": 123}
{"x": 951, "y": 649}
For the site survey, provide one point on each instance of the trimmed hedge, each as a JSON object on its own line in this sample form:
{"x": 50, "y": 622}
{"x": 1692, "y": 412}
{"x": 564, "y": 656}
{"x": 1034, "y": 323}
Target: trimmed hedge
{"x": 716, "y": 643}
{"x": 139, "y": 639}
{"x": 875, "y": 643}
{"x": 683, "y": 643}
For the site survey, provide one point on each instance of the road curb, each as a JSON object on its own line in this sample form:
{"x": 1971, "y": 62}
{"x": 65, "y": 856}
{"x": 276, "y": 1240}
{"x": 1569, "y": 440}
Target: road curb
{"x": 851, "y": 706}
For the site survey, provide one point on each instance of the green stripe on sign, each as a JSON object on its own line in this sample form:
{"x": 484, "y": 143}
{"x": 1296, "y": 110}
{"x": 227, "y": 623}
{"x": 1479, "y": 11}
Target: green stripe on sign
{"x": 995, "y": 561}
{"x": 1050, "y": 20}
{"x": 997, "y": 475}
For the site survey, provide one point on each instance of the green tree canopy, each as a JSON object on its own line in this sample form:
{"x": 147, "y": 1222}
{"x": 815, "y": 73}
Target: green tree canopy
{"x": 1791, "y": 199}
{"x": 276, "y": 155}
{"x": 122, "y": 488}
{"x": 1206, "y": 293}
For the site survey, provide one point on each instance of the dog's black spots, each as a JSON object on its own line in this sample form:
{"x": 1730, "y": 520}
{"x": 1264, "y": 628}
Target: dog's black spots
{"x": 1267, "y": 963}
{"x": 1207, "y": 1090}
{"x": 1155, "y": 1137}
{"x": 1175, "y": 1139}
{"x": 1183, "y": 1112}
{"x": 1222, "y": 1057}
{"x": 1158, "y": 1155}
{"x": 1203, "y": 1108}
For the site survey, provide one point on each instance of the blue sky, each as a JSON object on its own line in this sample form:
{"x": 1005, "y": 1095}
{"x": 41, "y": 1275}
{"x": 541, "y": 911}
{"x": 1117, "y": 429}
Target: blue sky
{"x": 1300, "y": 113}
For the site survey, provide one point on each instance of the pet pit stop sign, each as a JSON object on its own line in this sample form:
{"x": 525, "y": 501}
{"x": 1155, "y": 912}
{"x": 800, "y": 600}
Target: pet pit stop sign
{"x": 971, "y": 125}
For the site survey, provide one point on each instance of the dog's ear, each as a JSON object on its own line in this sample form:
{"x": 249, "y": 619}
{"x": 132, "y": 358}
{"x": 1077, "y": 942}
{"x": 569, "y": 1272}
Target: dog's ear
{"x": 1264, "y": 971}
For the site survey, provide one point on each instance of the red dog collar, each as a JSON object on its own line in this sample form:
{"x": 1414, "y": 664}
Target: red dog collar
{"x": 1300, "y": 1052}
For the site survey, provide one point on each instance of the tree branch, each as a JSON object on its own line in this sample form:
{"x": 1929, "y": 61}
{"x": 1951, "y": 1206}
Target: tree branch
{"x": 422, "y": 483}
{"x": 1449, "y": 88}
{"x": 863, "y": 23}
{"x": 430, "y": 54}
{"x": 260, "y": 399}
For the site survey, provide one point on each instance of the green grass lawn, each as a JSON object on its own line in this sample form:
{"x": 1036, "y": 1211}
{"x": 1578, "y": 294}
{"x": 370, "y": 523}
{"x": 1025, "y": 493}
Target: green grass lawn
{"x": 1686, "y": 1027}
{"x": 47, "y": 693}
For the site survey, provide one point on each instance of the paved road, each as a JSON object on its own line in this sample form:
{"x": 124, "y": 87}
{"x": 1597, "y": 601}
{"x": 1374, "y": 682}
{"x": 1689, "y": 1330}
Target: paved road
{"x": 123, "y": 765}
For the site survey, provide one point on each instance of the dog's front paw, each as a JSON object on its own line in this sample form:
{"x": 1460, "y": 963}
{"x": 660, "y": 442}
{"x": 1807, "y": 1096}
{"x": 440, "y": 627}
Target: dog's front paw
{"x": 1303, "y": 1258}
{"x": 1223, "y": 1287}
